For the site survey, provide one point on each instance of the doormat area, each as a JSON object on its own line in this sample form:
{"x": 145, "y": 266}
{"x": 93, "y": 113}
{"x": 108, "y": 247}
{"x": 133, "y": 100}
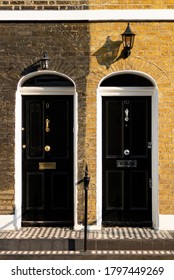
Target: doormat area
{"x": 67, "y": 233}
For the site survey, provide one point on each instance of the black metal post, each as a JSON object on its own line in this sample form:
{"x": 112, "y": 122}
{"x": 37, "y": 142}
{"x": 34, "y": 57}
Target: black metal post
{"x": 86, "y": 187}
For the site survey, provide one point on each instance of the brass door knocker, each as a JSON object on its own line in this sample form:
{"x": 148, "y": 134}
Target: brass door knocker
{"x": 47, "y": 125}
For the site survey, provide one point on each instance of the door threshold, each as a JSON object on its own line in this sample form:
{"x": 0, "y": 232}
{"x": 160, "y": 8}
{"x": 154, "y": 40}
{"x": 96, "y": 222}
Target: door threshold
{"x": 127, "y": 224}
{"x": 47, "y": 224}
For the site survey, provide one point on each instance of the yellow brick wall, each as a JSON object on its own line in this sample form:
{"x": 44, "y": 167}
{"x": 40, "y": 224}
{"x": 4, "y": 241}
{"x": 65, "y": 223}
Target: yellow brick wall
{"x": 153, "y": 53}
{"x": 6, "y": 202}
{"x": 84, "y": 4}
{"x": 131, "y": 4}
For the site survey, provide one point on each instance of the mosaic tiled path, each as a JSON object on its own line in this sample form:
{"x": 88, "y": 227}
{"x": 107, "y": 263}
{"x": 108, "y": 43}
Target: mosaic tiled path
{"x": 65, "y": 243}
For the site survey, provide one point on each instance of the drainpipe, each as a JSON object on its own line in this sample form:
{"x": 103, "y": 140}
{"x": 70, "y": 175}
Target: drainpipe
{"x": 86, "y": 180}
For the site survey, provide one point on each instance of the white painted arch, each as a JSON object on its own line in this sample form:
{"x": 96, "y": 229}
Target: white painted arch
{"x": 129, "y": 91}
{"x": 18, "y": 135}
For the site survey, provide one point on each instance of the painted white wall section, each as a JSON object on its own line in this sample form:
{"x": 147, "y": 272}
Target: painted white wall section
{"x": 7, "y": 222}
{"x": 166, "y": 222}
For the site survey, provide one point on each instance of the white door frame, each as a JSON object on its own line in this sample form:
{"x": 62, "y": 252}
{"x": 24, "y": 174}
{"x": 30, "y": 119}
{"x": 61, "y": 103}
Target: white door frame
{"x": 18, "y": 135}
{"x": 129, "y": 91}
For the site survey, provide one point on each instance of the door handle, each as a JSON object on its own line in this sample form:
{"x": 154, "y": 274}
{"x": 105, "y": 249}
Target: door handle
{"x": 47, "y": 125}
{"x": 126, "y": 115}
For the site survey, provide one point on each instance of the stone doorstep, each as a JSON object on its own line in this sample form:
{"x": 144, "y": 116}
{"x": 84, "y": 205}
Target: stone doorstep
{"x": 90, "y": 252}
{"x": 114, "y": 233}
{"x": 64, "y": 239}
{"x": 78, "y": 244}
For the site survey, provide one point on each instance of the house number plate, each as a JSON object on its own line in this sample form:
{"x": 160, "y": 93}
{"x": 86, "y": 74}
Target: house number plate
{"x": 47, "y": 165}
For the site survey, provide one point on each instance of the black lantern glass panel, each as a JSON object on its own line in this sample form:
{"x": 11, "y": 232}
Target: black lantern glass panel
{"x": 45, "y": 61}
{"x": 128, "y": 40}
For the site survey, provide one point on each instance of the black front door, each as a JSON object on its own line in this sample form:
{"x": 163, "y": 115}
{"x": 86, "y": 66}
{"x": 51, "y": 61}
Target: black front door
{"x": 47, "y": 160}
{"x": 126, "y": 137}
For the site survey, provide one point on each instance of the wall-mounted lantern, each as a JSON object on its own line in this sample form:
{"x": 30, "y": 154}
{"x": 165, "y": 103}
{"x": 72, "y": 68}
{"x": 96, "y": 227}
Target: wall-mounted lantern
{"x": 128, "y": 40}
{"x": 45, "y": 61}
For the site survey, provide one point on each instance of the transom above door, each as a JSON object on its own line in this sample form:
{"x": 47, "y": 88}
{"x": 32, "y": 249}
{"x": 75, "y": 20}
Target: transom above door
{"x": 126, "y": 157}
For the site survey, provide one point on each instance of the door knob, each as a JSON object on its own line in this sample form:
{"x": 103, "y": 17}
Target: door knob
{"x": 47, "y": 148}
{"x": 126, "y": 152}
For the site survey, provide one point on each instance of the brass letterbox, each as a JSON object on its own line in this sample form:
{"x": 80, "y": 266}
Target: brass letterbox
{"x": 47, "y": 165}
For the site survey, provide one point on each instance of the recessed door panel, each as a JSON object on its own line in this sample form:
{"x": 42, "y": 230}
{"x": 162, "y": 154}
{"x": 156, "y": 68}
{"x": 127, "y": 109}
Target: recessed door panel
{"x": 139, "y": 129}
{"x": 126, "y": 172}
{"x": 139, "y": 190}
{"x": 35, "y": 191}
{"x": 47, "y": 153}
{"x": 60, "y": 128}
{"x": 59, "y": 190}
{"x": 114, "y": 196}
{"x": 34, "y": 129}
{"x": 113, "y": 127}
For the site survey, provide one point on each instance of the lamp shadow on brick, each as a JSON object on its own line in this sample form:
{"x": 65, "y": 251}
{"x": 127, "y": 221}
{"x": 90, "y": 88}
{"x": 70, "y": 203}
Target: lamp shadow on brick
{"x": 108, "y": 53}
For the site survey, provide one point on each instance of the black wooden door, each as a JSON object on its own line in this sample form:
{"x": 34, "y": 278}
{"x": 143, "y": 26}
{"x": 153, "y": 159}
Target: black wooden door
{"x": 126, "y": 144}
{"x": 47, "y": 154}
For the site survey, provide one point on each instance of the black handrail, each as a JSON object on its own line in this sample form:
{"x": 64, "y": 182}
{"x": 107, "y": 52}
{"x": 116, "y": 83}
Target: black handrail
{"x": 86, "y": 181}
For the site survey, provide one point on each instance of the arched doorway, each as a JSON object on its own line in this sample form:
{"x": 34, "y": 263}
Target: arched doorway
{"x": 46, "y": 120}
{"x": 127, "y": 125}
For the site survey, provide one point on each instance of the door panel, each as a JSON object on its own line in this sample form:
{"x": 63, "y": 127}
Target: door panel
{"x": 35, "y": 129}
{"x": 138, "y": 190}
{"x": 59, "y": 190}
{"x": 47, "y": 156}
{"x": 114, "y": 145}
{"x": 114, "y": 196}
{"x": 35, "y": 197}
{"x": 139, "y": 128}
{"x": 126, "y": 132}
{"x": 60, "y": 141}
